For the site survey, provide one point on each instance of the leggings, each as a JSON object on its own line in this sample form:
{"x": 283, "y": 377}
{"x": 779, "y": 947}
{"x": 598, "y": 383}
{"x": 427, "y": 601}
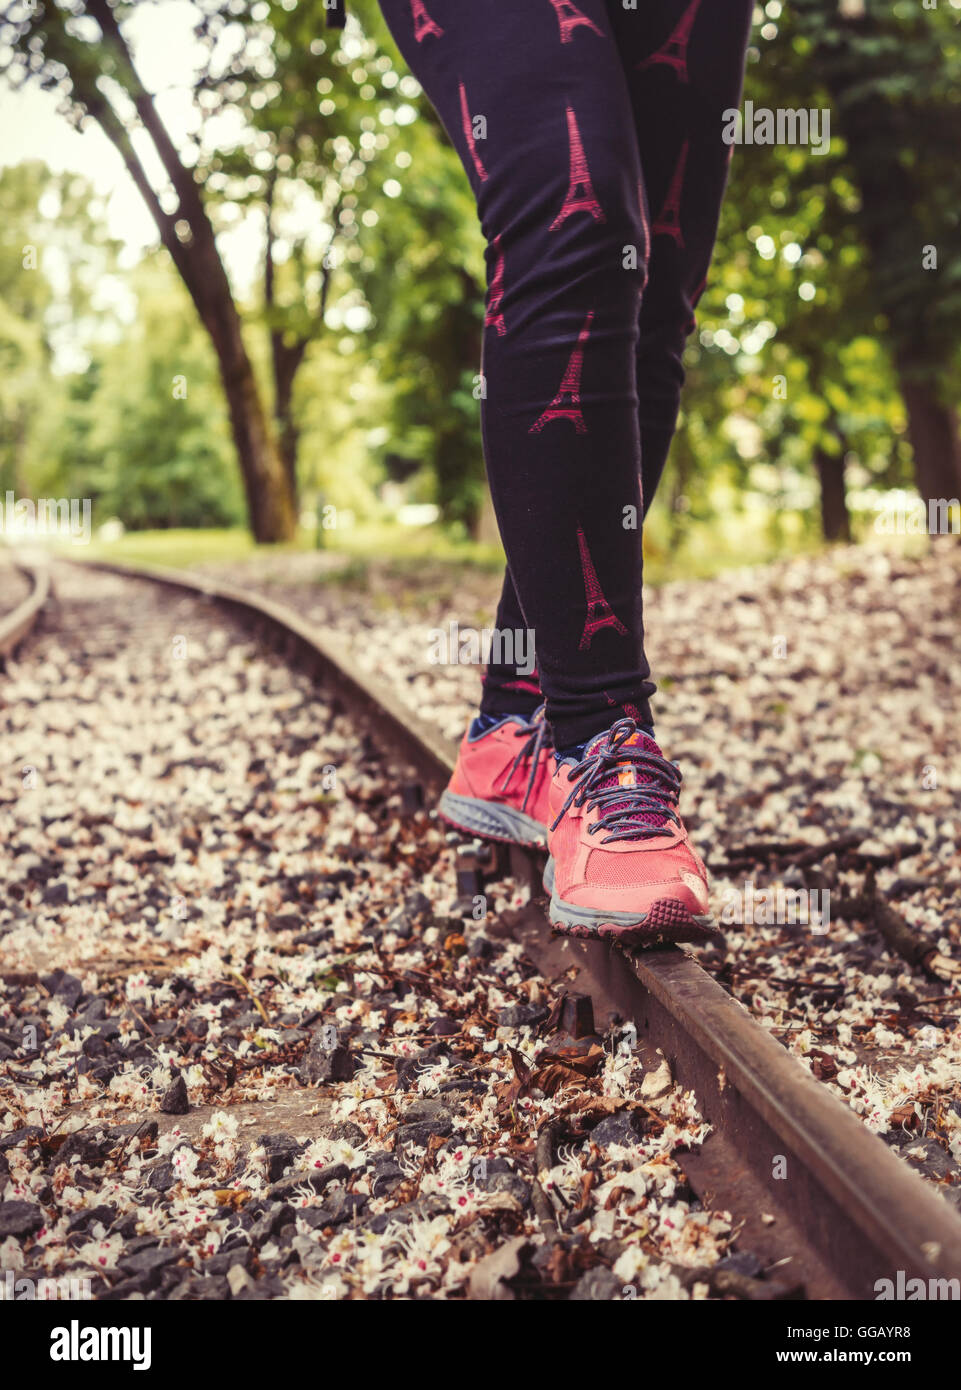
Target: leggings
{"x": 591, "y": 136}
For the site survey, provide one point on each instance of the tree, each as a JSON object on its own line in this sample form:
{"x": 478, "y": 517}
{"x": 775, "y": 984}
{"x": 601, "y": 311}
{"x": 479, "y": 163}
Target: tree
{"x": 317, "y": 145}
{"x": 893, "y": 76}
{"x": 145, "y": 432}
{"x": 427, "y": 323}
{"x": 53, "y": 232}
{"x": 390, "y": 247}
{"x": 81, "y": 53}
{"x": 794, "y": 337}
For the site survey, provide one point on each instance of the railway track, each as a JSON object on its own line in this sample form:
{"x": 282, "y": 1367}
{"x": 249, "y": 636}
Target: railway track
{"x": 818, "y": 1195}
{"x": 15, "y": 625}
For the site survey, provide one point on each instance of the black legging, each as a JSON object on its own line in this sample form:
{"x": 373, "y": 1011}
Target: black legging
{"x": 591, "y": 135}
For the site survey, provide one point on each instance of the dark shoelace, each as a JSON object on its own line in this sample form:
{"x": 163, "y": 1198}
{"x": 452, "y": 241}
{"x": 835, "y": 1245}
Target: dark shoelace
{"x": 622, "y": 807}
{"x": 536, "y": 739}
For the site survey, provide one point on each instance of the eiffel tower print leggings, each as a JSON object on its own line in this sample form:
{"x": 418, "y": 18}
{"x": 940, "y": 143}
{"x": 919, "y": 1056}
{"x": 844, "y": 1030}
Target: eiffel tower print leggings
{"x": 591, "y": 136}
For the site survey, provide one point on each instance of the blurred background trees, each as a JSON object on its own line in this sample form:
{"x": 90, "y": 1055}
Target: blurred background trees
{"x": 336, "y": 360}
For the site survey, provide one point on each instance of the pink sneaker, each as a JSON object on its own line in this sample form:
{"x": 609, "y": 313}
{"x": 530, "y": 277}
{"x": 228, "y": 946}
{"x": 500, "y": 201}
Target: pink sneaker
{"x": 622, "y": 866}
{"x": 499, "y": 788}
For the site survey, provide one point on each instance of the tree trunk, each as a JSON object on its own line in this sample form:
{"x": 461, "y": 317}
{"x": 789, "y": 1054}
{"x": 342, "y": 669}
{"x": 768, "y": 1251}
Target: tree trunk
{"x": 286, "y": 358}
{"x": 874, "y": 131}
{"x": 286, "y": 363}
{"x": 933, "y": 431}
{"x": 271, "y": 509}
{"x": 288, "y": 442}
{"x": 270, "y": 504}
{"x": 835, "y": 521}
{"x": 272, "y": 513}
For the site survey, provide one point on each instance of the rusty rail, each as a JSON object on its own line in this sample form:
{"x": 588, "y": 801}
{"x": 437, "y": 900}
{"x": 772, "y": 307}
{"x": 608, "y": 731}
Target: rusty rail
{"x": 15, "y": 625}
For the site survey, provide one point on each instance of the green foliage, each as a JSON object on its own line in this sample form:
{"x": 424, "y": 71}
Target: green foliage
{"x": 893, "y": 76}
{"x": 143, "y": 430}
{"x": 817, "y": 283}
{"x": 54, "y": 261}
{"x": 160, "y": 434}
{"x": 367, "y": 307}
{"x": 373, "y": 264}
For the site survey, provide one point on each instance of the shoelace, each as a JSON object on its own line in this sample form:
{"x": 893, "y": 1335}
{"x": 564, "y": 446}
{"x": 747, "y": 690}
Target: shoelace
{"x": 621, "y": 806}
{"x": 535, "y": 737}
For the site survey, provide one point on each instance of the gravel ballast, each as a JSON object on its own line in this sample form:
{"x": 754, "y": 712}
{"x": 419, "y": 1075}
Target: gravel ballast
{"x": 251, "y": 1048}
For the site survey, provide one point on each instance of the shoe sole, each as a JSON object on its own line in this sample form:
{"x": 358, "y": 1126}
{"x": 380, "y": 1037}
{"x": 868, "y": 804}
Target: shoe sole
{"x": 492, "y": 820}
{"x": 665, "y": 923}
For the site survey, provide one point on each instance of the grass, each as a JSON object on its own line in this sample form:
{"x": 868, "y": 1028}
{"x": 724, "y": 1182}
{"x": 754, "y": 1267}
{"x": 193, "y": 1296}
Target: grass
{"x": 706, "y": 548}
{"x": 175, "y": 549}
{"x": 405, "y": 546}
{"x": 425, "y": 560}
{"x": 381, "y": 540}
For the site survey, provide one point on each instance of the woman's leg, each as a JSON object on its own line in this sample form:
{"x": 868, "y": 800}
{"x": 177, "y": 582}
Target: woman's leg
{"x": 622, "y": 863}
{"x": 535, "y": 98}
{"x": 506, "y": 689}
{"x": 683, "y": 61}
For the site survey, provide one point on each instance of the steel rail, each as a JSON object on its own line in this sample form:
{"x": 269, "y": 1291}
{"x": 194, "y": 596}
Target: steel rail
{"x": 823, "y": 1195}
{"x": 15, "y": 625}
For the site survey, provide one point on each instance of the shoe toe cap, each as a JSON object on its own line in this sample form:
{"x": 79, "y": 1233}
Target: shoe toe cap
{"x": 641, "y": 897}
